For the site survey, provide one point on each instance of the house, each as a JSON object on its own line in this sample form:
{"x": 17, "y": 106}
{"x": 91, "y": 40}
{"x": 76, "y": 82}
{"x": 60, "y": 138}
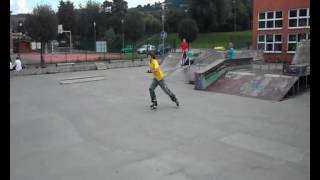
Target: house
{"x": 278, "y": 26}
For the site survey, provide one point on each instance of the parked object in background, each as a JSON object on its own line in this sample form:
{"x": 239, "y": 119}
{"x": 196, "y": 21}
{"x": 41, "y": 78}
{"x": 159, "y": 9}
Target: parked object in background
{"x": 146, "y": 48}
{"x": 219, "y": 48}
{"x": 127, "y": 49}
{"x": 160, "y": 48}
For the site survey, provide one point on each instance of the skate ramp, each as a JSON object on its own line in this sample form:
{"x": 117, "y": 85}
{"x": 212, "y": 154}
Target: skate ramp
{"x": 263, "y": 86}
{"x": 171, "y": 63}
{"x": 302, "y": 55}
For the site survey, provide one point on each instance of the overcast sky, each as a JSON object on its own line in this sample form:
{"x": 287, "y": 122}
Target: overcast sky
{"x": 26, "y": 6}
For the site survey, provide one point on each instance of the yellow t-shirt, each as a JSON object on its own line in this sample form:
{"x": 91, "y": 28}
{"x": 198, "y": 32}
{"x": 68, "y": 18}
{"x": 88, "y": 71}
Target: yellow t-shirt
{"x": 155, "y": 68}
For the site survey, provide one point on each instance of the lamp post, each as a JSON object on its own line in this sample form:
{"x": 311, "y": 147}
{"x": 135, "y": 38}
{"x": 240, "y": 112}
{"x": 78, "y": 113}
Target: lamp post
{"x": 234, "y": 15}
{"x": 163, "y": 28}
{"x": 122, "y": 33}
{"x": 19, "y": 37}
{"x": 94, "y": 27}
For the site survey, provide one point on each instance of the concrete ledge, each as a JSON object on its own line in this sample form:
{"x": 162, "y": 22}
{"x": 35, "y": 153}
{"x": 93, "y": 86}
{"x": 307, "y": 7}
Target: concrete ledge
{"x": 72, "y": 67}
{"x": 81, "y": 79}
{"x": 65, "y": 64}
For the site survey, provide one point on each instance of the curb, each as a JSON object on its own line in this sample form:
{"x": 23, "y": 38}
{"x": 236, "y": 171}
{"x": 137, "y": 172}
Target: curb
{"x": 74, "y": 67}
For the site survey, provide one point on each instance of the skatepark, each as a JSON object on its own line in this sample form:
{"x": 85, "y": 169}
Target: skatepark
{"x": 104, "y": 129}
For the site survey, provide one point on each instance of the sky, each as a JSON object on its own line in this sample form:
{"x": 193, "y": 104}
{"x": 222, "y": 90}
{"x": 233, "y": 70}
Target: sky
{"x": 26, "y": 6}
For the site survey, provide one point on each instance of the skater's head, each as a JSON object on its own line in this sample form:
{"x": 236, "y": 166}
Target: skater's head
{"x": 230, "y": 45}
{"x": 184, "y": 40}
{"x": 152, "y": 56}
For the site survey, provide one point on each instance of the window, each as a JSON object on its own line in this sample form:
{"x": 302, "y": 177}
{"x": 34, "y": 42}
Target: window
{"x": 270, "y": 43}
{"x": 270, "y": 20}
{"x": 294, "y": 39}
{"x": 299, "y": 18}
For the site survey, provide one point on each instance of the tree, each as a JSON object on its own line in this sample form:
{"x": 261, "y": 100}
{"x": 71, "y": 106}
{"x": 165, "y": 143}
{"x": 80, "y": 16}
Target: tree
{"x": 153, "y": 25}
{"x": 42, "y": 25}
{"x": 173, "y": 19}
{"x": 134, "y": 26}
{"x": 188, "y": 29}
{"x": 67, "y": 17}
{"x": 210, "y": 14}
{"x": 87, "y": 17}
{"x": 113, "y": 19}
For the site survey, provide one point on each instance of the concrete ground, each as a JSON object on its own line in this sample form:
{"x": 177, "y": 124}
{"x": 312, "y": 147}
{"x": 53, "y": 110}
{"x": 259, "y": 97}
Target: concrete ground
{"x": 105, "y": 130}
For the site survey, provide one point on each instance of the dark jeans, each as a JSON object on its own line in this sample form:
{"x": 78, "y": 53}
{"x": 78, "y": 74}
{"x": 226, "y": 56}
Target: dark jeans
{"x": 163, "y": 86}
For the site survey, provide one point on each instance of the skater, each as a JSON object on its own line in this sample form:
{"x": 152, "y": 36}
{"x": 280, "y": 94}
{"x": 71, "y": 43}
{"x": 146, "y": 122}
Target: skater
{"x": 231, "y": 52}
{"x": 184, "y": 49}
{"x": 11, "y": 65}
{"x": 18, "y": 64}
{"x": 158, "y": 80}
{"x": 189, "y": 59}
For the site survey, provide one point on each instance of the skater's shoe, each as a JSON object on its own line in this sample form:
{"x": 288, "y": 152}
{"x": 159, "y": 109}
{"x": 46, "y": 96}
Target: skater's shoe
{"x": 154, "y": 105}
{"x": 177, "y": 102}
{"x": 175, "y": 99}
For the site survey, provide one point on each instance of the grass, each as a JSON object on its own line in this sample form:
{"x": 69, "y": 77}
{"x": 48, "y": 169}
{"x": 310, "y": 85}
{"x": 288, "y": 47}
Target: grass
{"x": 240, "y": 39}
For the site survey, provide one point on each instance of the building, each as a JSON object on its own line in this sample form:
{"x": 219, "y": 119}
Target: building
{"x": 278, "y": 26}
{"x": 11, "y": 40}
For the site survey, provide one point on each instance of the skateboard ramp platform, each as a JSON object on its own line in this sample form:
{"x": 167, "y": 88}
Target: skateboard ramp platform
{"x": 171, "y": 64}
{"x": 302, "y": 55}
{"x": 263, "y": 86}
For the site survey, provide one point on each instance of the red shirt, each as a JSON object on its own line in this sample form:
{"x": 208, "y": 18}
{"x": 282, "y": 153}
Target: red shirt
{"x": 184, "y": 46}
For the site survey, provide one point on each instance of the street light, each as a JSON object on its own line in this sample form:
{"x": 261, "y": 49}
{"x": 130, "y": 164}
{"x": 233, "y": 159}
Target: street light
{"x": 19, "y": 36}
{"x": 94, "y": 27}
{"x": 163, "y": 28}
{"x": 234, "y": 14}
{"x": 122, "y": 33}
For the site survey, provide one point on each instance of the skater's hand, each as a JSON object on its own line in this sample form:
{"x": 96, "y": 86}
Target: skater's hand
{"x": 149, "y": 71}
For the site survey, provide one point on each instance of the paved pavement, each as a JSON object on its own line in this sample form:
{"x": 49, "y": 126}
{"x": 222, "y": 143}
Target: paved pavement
{"x": 105, "y": 130}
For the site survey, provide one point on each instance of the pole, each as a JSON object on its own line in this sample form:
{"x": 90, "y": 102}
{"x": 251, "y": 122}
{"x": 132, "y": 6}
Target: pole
{"x": 163, "y": 28}
{"x": 122, "y": 33}
{"x": 70, "y": 42}
{"x": 94, "y": 27}
{"x": 234, "y": 14}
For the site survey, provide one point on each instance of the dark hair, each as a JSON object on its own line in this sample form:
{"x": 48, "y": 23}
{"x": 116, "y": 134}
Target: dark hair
{"x": 153, "y": 56}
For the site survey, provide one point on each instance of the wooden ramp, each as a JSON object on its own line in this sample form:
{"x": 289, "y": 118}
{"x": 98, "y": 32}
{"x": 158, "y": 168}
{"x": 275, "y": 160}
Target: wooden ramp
{"x": 263, "y": 86}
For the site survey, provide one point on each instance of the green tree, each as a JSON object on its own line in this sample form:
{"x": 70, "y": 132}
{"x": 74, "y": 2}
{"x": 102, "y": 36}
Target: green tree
{"x": 66, "y": 17}
{"x": 173, "y": 19}
{"x": 210, "y": 14}
{"x": 113, "y": 19}
{"x": 134, "y": 26}
{"x": 85, "y": 24}
{"x": 153, "y": 25}
{"x": 42, "y": 25}
{"x": 188, "y": 29}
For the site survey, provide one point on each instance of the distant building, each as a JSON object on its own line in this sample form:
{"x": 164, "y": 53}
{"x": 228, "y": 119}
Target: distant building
{"x": 11, "y": 40}
{"x": 278, "y": 26}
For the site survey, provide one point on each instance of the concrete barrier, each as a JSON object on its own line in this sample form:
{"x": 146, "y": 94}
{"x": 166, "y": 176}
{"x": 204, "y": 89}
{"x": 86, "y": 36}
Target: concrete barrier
{"x": 71, "y": 67}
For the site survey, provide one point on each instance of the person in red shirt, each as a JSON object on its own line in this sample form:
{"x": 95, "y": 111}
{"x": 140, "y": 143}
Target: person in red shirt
{"x": 184, "y": 46}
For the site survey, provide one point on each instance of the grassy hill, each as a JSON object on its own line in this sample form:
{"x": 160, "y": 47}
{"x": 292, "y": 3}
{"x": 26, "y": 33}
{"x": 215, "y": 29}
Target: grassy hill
{"x": 240, "y": 39}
